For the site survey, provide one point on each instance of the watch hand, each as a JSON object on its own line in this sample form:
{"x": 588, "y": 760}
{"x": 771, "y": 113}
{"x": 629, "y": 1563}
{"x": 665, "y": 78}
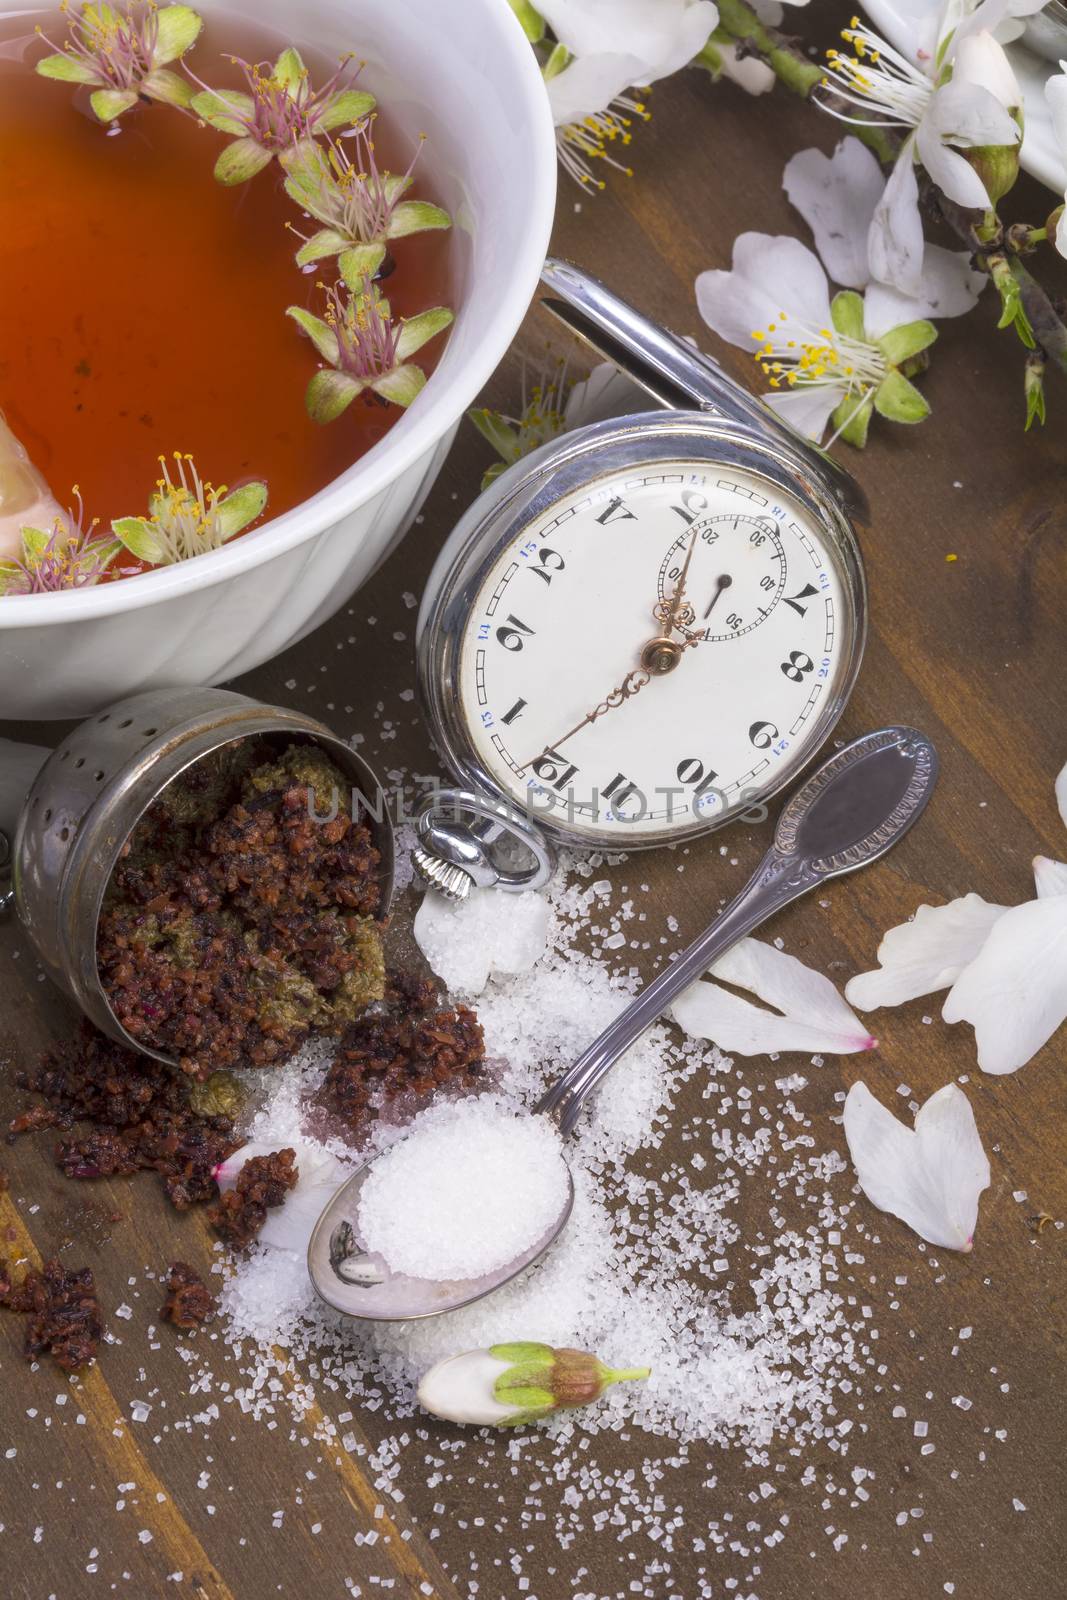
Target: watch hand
{"x": 724, "y": 583}
{"x": 672, "y": 613}
{"x": 632, "y": 684}
{"x": 679, "y": 588}
{"x": 658, "y": 657}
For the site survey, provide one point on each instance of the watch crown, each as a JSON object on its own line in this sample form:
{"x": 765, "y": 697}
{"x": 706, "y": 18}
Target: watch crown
{"x": 444, "y": 876}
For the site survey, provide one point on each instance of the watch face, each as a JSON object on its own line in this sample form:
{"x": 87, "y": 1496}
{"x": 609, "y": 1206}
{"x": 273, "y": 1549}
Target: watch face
{"x": 653, "y": 651}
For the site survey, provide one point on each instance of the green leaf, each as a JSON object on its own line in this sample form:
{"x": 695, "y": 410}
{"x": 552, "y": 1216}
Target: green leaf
{"x": 344, "y": 110}
{"x": 327, "y": 242}
{"x": 560, "y": 58}
{"x": 907, "y": 340}
{"x": 394, "y": 184}
{"x": 320, "y": 333}
{"x": 168, "y": 87}
{"x": 223, "y": 111}
{"x": 846, "y": 313}
{"x": 899, "y": 400}
{"x": 137, "y": 535}
{"x": 240, "y": 508}
{"x": 330, "y": 392}
{"x": 289, "y": 70}
{"x": 415, "y": 331}
{"x": 401, "y": 385}
{"x": 34, "y": 543}
{"x": 528, "y": 1397}
{"x": 491, "y": 474}
{"x": 9, "y": 575}
{"x": 416, "y": 216}
{"x": 531, "y": 21}
{"x": 177, "y": 28}
{"x": 852, "y": 419}
{"x": 492, "y": 426}
{"x": 67, "y": 69}
{"x": 240, "y": 161}
{"x": 524, "y": 1350}
{"x": 111, "y": 103}
{"x": 305, "y": 163}
{"x": 101, "y": 17}
{"x": 359, "y": 262}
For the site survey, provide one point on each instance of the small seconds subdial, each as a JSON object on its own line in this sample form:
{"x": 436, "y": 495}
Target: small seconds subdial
{"x": 736, "y": 575}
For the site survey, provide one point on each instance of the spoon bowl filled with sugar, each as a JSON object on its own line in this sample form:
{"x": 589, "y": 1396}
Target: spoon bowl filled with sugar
{"x": 477, "y": 1190}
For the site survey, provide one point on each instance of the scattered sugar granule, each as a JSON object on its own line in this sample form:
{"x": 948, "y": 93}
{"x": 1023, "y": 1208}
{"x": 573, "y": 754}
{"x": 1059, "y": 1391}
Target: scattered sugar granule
{"x": 472, "y": 1186}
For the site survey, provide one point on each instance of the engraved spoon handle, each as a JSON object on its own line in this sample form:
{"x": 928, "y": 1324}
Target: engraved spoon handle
{"x": 849, "y": 812}
{"x": 775, "y": 883}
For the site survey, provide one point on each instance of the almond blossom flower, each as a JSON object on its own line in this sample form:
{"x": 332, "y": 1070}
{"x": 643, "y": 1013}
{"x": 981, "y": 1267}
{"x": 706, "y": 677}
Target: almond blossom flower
{"x": 1056, "y": 96}
{"x": 123, "y": 51}
{"x": 280, "y": 111}
{"x": 360, "y": 207}
{"x": 188, "y": 517}
{"x": 838, "y": 358}
{"x": 1005, "y": 967}
{"x": 931, "y": 1177}
{"x": 605, "y": 48}
{"x": 364, "y": 349}
{"x": 67, "y": 556}
{"x": 555, "y": 404}
{"x": 961, "y": 113}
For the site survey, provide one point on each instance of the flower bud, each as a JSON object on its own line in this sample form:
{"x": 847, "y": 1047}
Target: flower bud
{"x": 511, "y": 1384}
{"x": 981, "y": 62}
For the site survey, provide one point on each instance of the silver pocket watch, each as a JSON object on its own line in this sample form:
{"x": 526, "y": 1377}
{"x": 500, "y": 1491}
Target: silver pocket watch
{"x": 642, "y": 629}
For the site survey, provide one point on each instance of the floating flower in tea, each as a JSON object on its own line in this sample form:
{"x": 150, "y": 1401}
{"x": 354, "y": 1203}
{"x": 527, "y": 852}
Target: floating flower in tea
{"x": 124, "y": 53}
{"x": 364, "y": 348}
{"x": 188, "y": 517}
{"x": 361, "y": 207}
{"x": 281, "y": 110}
{"x": 67, "y": 556}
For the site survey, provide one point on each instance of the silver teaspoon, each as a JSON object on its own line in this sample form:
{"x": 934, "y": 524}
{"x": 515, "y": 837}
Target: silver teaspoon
{"x": 849, "y": 812}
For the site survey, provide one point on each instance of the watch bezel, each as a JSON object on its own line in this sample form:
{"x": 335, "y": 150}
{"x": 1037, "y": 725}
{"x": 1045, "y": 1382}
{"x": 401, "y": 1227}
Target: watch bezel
{"x": 525, "y": 493}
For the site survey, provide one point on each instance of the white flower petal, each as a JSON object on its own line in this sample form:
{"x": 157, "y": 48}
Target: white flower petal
{"x": 926, "y": 954}
{"x": 1061, "y": 781}
{"x": 1050, "y": 877}
{"x": 460, "y": 1389}
{"x": 979, "y": 60}
{"x": 948, "y": 286}
{"x": 895, "y": 241}
{"x": 589, "y": 84}
{"x": 950, "y": 170}
{"x": 290, "y": 1225}
{"x": 837, "y": 196}
{"x": 930, "y": 1178}
{"x": 662, "y": 34}
{"x": 490, "y": 931}
{"x": 807, "y": 408}
{"x": 1014, "y": 993}
{"x": 813, "y": 1015}
{"x": 770, "y": 273}
{"x": 606, "y": 393}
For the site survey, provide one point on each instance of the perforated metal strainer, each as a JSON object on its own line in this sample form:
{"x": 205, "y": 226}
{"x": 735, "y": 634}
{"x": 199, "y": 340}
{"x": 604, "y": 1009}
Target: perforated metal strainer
{"x": 91, "y": 792}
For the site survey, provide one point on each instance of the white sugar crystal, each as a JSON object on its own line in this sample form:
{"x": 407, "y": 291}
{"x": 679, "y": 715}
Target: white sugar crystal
{"x": 491, "y": 931}
{"x": 473, "y": 1185}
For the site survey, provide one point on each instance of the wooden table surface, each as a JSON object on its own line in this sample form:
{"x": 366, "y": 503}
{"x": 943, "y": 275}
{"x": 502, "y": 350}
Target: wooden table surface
{"x": 972, "y": 652}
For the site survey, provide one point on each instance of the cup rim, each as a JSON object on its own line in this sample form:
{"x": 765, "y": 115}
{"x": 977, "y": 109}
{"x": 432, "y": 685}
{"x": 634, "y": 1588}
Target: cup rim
{"x": 412, "y": 436}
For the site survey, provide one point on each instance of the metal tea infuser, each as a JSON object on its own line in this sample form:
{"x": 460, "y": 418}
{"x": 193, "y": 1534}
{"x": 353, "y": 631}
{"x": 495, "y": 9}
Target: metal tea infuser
{"x": 65, "y": 814}
{"x": 848, "y": 813}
